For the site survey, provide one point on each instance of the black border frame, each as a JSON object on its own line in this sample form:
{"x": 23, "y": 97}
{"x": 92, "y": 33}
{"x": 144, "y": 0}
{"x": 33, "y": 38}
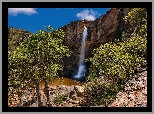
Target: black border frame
{"x": 6, "y": 5}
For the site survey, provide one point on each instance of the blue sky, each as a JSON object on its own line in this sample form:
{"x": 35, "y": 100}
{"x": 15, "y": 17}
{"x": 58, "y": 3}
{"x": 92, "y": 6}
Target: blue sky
{"x": 32, "y": 19}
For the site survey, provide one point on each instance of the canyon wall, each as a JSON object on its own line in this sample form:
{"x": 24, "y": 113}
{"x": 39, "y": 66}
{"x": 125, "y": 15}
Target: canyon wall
{"x": 100, "y": 31}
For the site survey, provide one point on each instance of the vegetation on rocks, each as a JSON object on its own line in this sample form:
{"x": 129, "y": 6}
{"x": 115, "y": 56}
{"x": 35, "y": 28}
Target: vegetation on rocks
{"x": 15, "y": 36}
{"x": 59, "y": 99}
{"x": 98, "y": 93}
{"x": 117, "y": 61}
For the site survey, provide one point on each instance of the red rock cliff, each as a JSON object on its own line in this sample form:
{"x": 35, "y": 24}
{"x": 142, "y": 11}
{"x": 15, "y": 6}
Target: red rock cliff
{"x": 100, "y": 31}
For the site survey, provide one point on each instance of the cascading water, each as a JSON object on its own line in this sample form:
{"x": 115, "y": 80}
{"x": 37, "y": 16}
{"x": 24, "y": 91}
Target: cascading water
{"x": 81, "y": 68}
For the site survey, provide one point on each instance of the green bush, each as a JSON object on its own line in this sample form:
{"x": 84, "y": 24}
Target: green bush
{"x": 59, "y": 99}
{"x": 138, "y": 17}
{"x": 116, "y": 61}
{"x": 98, "y": 93}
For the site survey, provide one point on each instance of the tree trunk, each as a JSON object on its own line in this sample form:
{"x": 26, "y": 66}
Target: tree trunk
{"x": 46, "y": 90}
{"x": 38, "y": 96}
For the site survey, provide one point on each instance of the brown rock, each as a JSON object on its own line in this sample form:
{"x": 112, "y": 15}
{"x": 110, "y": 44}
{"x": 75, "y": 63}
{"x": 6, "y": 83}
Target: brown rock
{"x": 73, "y": 101}
{"x": 79, "y": 90}
{"x": 100, "y": 31}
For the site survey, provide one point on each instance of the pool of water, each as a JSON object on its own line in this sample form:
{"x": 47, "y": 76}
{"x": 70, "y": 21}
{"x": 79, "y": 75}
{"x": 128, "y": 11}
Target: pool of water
{"x": 62, "y": 81}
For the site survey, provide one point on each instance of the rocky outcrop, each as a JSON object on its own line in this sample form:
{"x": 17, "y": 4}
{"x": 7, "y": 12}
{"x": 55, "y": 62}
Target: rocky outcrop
{"x": 133, "y": 96}
{"x": 15, "y": 36}
{"x": 100, "y": 31}
{"x": 61, "y": 96}
{"x": 134, "y": 93}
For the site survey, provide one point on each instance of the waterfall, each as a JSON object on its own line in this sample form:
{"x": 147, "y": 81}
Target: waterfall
{"x": 81, "y": 68}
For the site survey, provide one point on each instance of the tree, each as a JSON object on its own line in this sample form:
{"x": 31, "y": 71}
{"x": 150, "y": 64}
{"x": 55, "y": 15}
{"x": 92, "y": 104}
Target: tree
{"x": 138, "y": 17}
{"x": 37, "y": 59}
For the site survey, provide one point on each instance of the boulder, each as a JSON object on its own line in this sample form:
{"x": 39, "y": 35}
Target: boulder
{"x": 79, "y": 90}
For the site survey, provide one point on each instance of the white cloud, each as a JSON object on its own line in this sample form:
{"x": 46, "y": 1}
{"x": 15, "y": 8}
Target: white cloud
{"x": 26, "y": 11}
{"x": 87, "y": 15}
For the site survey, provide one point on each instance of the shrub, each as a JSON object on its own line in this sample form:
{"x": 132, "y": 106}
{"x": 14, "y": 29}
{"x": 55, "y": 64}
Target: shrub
{"x": 138, "y": 17}
{"x": 59, "y": 99}
{"x": 116, "y": 61}
{"x": 98, "y": 93}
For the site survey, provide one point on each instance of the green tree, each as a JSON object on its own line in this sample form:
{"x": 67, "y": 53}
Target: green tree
{"x": 37, "y": 59}
{"x": 138, "y": 17}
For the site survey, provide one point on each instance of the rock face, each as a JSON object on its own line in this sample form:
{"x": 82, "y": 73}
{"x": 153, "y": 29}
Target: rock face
{"x": 100, "y": 31}
{"x": 16, "y": 35}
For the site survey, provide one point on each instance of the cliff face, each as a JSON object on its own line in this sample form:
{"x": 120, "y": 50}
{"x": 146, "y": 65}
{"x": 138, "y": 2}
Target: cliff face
{"x": 100, "y": 31}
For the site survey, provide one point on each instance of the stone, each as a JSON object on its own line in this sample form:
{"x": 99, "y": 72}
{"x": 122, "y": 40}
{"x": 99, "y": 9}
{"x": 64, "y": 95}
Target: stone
{"x": 52, "y": 88}
{"x": 73, "y": 101}
{"x": 72, "y": 94}
{"x": 70, "y": 105}
{"x": 79, "y": 90}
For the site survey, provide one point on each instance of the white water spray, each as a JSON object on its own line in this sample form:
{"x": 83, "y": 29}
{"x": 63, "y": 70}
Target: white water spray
{"x": 81, "y": 68}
